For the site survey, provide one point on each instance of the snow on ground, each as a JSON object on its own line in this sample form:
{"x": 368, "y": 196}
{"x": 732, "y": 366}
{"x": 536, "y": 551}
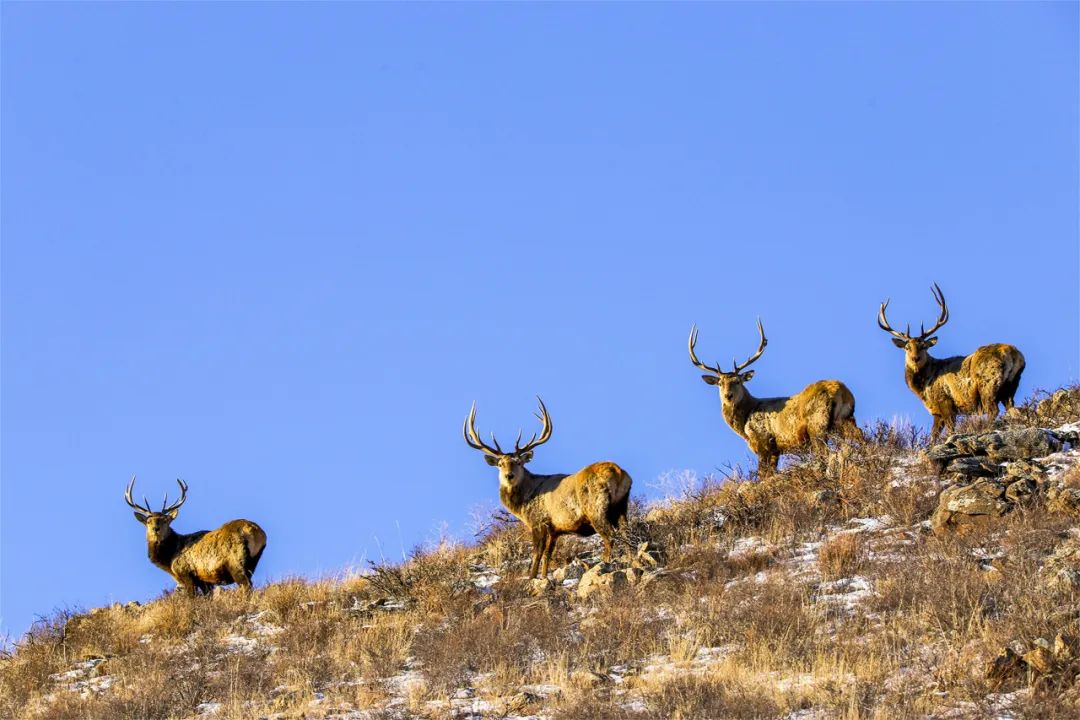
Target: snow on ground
{"x": 845, "y": 593}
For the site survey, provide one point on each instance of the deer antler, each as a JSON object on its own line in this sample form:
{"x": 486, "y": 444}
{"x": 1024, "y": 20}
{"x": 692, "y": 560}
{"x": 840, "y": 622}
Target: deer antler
{"x": 472, "y": 438}
{"x": 693, "y": 357}
{"x": 943, "y": 318}
{"x": 176, "y": 505}
{"x": 883, "y": 323}
{"x": 545, "y": 431}
{"x": 753, "y": 358}
{"x": 143, "y": 509}
{"x": 165, "y": 507}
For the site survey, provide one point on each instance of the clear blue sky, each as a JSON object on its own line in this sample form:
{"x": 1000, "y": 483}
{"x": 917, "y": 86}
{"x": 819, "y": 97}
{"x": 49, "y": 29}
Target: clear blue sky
{"x": 277, "y": 250}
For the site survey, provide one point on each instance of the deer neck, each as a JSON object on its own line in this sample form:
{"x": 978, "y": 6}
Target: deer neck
{"x": 737, "y": 412}
{"x": 518, "y": 497}
{"x": 919, "y": 377}
{"x": 163, "y": 548}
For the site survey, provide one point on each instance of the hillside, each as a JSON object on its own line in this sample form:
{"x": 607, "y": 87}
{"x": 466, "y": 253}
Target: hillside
{"x": 885, "y": 580}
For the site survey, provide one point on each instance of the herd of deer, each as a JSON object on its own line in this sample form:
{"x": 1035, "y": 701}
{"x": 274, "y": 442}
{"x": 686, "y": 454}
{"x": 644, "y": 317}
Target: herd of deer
{"x": 594, "y": 499}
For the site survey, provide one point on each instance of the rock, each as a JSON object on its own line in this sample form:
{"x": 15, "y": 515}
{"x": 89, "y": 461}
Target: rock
{"x": 655, "y": 576}
{"x": 646, "y": 556}
{"x": 970, "y": 504}
{"x": 972, "y": 467}
{"x": 539, "y": 586}
{"x": 573, "y": 571}
{"x": 1063, "y": 500}
{"x": 1006, "y": 666}
{"x": 1021, "y": 444}
{"x": 1065, "y": 647}
{"x": 1021, "y": 491}
{"x": 1025, "y": 469}
{"x": 996, "y": 446}
{"x": 1039, "y": 661}
{"x": 1062, "y": 405}
{"x": 601, "y": 579}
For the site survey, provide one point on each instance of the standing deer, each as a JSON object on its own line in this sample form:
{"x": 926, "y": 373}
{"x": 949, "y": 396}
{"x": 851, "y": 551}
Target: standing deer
{"x": 773, "y": 426}
{"x": 955, "y": 385}
{"x": 200, "y": 560}
{"x": 592, "y": 500}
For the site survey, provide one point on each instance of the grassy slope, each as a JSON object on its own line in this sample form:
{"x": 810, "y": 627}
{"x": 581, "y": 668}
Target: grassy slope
{"x": 770, "y": 599}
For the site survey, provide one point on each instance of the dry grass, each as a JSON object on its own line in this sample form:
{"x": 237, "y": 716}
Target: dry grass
{"x": 841, "y": 556}
{"x": 777, "y": 626}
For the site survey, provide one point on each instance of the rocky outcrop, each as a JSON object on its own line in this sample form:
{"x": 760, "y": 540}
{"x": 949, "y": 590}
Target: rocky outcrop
{"x": 605, "y": 580}
{"x": 982, "y": 453}
{"x": 970, "y": 505}
{"x": 996, "y": 472}
{"x": 1043, "y": 664}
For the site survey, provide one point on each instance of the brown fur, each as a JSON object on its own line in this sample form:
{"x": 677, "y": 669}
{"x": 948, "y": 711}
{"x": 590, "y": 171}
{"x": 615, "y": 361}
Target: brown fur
{"x": 956, "y": 385}
{"x": 963, "y": 384}
{"x": 555, "y": 505}
{"x": 774, "y": 426}
{"x": 201, "y": 560}
{"x": 591, "y": 501}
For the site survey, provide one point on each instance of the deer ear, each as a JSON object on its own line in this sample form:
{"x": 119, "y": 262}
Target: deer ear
{"x": 710, "y": 379}
{"x": 747, "y": 375}
{"x": 525, "y": 457}
{"x": 140, "y": 517}
{"x": 931, "y": 342}
{"x": 490, "y": 460}
{"x": 173, "y": 513}
{"x": 899, "y": 343}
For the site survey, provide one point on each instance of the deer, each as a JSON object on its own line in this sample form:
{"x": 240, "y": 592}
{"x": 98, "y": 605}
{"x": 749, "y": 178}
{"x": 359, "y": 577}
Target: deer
{"x": 202, "y": 560}
{"x": 591, "y": 501}
{"x": 774, "y": 426}
{"x": 955, "y": 385}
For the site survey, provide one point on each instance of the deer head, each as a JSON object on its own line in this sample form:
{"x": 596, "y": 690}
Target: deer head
{"x": 156, "y": 521}
{"x": 730, "y": 383}
{"x": 916, "y": 346}
{"x": 511, "y": 464}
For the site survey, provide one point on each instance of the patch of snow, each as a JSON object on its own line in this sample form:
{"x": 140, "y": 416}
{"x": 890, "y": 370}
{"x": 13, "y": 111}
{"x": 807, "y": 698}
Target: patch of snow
{"x": 483, "y": 576}
{"x": 1068, "y": 428}
{"x": 845, "y": 592}
{"x": 262, "y": 628}
{"x": 1059, "y": 462}
{"x": 240, "y": 644}
{"x": 808, "y": 714}
{"x": 208, "y": 709}
{"x": 803, "y": 561}
{"x": 747, "y": 545}
{"x": 869, "y": 524}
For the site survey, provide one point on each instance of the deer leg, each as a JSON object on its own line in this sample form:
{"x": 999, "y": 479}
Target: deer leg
{"x": 605, "y": 530}
{"x": 935, "y": 429}
{"x": 851, "y": 430}
{"x": 240, "y": 576}
{"x": 187, "y": 585}
{"x": 538, "y": 536}
{"x": 549, "y": 549}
